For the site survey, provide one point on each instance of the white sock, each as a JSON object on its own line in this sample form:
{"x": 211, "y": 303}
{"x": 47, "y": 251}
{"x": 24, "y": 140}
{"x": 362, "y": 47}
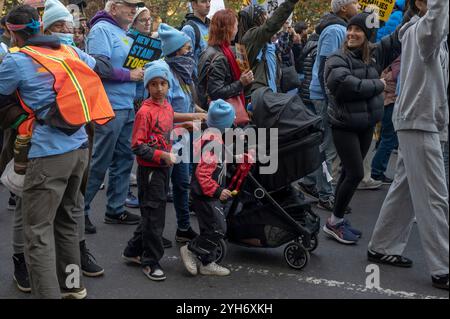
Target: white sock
{"x": 335, "y": 220}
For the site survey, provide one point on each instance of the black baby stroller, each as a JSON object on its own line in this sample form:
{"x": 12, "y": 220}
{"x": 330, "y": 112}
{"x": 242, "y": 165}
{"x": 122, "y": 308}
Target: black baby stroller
{"x": 268, "y": 212}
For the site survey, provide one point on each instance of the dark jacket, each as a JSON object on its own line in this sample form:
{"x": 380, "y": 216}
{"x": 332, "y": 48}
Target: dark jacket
{"x": 354, "y": 89}
{"x": 215, "y": 79}
{"x": 309, "y": 57}
{"x": 256, "y": 38}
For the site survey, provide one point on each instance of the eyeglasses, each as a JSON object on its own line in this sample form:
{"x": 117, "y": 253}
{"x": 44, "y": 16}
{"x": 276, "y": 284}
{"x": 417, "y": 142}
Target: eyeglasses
{"x": 144, "y": 21}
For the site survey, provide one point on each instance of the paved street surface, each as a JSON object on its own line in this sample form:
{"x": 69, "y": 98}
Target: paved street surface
{"x": 334, "y": 271}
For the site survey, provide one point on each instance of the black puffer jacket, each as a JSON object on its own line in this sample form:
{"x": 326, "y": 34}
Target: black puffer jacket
{"x": 309, "y": 57}
{"x": 354, "y": 89}
{"x": 215, "y": 79}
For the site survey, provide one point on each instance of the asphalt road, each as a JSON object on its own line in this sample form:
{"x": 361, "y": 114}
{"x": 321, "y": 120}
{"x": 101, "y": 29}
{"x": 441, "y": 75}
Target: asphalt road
{"x": 334, "y": 270}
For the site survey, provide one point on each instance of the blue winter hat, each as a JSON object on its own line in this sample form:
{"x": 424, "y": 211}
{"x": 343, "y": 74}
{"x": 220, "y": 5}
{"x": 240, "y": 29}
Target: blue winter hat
{"x": 171, "y": 38}
{"x": 55, "y": 11}
{"x": 221, "y": 115}
{"x": 400, "y": 4}
{"x": 156, "y": 69}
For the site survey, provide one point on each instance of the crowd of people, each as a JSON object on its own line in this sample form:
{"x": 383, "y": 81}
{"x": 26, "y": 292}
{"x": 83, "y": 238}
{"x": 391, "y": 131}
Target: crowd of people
{"x": 70, "y": 113}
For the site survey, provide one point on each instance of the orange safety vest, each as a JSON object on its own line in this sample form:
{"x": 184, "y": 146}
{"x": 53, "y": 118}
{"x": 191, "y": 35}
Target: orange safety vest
{"x": 80, "y": 95}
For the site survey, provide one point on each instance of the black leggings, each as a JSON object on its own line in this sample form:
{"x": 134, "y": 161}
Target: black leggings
{"x": 352, "y": 148}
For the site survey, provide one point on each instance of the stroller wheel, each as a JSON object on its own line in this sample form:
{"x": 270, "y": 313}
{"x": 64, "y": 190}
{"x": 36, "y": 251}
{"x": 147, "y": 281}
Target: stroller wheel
{"x": 221, "y": 251}
{"x": 296, "y": 255}
{"x": 314, "y": 242}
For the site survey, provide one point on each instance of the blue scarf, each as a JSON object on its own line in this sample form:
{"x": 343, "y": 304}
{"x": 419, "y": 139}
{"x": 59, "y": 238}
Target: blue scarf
{"x": 183, "y": 66}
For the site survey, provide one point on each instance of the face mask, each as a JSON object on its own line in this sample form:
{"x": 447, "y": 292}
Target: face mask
{"x": 189, "y": 54}
{"x": 65, "y": 38}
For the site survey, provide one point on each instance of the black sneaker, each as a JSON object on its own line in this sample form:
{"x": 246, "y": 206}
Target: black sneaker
{"x": 88, "y": 262}
{"x": 440, "y": 282}
{"x": 383, "y": 178}
{"x": 167, "y": 243}
{"x": 154, "y": 272}
{"x": 74, "y": 293}
{"x": 126, "y": 218}
{"x": 310, "y": 190}
{"x": 393, "y": 260}
{"x": 170, "y": 196}
{"x": 326, "y": 204}
{"x": 185, "y": 236}
{"x": 21, "y": 276}
{"x": 88, "y": 227}
{"x": 12, "y": 202}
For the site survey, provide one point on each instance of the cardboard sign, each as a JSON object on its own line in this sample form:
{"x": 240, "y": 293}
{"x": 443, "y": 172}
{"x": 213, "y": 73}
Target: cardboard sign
{"x": 242, "y": 58}
{"x": 385, "y": 7}
{"x": 144, "y": 50}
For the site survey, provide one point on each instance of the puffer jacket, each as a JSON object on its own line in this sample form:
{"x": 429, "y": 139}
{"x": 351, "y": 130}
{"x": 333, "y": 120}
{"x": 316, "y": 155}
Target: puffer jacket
{"x": 309, "y": 57}
{"x": 215, "y": 79}
{"x": 354, "y": 89}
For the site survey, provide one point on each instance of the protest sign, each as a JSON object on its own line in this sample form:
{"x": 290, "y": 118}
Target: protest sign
{"x": 385, "y": 7}
{"x": 242, "y": 58}
{"x": 144, "y": 50}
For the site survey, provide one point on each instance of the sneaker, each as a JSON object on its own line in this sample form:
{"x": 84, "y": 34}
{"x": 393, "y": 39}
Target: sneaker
{"x": 370, "y": 184}
{"x": 348, "y": 210}
{"x": 131, "y": 201}
{"x": 126, "y": 218}
{"x": 131, "y": 257}
{"x": 21, "y": 276}
{"x": 170, "y": 196}
{"x": 133, "y": 180}
{"x": 355, "y": 231}
{"x": 184, "y": 236}
{"x": 154, "y": 272}
{"x": 440, "y": 282}
{"x": 326, "y": 204}
{"x": 393, "y": 260}
{"x": 102, "y": 186}
{"x": 88, "y": 263}
{"x": 167, "y": 243}
{"x": 190, "y": 261}
{"x": 340, "y": 232}
{"x": 88, "y": 227}
{"x": 75, "y": 293}
{"x": 383, "y": 179}
{"x": 12, "y": 202}
{"x": 310, "y": 190}
{"x": 214, "y": 269}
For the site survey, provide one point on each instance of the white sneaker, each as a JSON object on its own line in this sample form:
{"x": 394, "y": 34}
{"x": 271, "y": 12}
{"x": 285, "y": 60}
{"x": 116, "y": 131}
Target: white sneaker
{"x": 370, "y": 184}
{"x": 189, "y": 260}
{"x": 77, "y": 293}
{"x": 133, "y": 180}
{"x": 214, "y": 269}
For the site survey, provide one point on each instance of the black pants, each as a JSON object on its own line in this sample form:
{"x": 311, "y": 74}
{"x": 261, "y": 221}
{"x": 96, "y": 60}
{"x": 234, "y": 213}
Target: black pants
{"x": 352, "y": 148}
{"x": 212, "y": 223}
{"x": 153, "y": 184}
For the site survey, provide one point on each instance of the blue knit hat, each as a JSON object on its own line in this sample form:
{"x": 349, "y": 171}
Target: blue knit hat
{"x": 156, "y": 69}
{"x": 55, "y": 11}
{"x": 171, "y": 38}
{"x": 221, "y": 115}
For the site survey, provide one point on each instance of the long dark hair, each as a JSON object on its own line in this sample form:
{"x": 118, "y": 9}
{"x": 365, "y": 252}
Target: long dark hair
{"x": 366, "y": 50}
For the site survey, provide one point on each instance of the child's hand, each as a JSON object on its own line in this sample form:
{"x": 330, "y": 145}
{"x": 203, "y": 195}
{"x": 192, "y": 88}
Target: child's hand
{"x": 169, "y": 158}
{"x": 225, "y": 195}
{"x": 200, "y": 117}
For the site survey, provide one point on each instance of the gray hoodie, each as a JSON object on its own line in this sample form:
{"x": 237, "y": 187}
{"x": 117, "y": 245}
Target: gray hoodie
{"x": 423, "y": 102}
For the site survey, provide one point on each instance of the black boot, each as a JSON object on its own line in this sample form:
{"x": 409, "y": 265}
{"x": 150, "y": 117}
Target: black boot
{"x": 88, "y": 262}
{"x": 21, "y": 276}
{"x": 88, "y": 227}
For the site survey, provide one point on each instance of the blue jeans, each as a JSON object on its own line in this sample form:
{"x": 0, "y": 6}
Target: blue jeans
{"x": 317, "y": 177}
{"x": 112, "y": 151}
{"x": 180, "y": 187}
{"x": 387, "y": 144}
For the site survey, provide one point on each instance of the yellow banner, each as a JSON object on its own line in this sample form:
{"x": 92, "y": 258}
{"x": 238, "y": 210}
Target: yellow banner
{"x": 385, "y": 7}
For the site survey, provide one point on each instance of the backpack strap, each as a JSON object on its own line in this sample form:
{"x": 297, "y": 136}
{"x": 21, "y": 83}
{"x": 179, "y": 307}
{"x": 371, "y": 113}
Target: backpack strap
{"x": 197, "y": 33}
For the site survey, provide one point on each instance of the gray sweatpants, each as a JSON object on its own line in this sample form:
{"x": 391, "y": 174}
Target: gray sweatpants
{"x": 419, "y": 189}
{"x": 51, "y": 191}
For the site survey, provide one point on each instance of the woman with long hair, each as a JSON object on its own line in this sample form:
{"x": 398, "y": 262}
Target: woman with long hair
{"x": 219, "y": 74}
{"x": 355, "y": 93}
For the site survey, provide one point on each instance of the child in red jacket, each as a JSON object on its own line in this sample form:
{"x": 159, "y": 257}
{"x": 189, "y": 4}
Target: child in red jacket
{"x": 151, "y": 144}
{"x": 208, "y": 191}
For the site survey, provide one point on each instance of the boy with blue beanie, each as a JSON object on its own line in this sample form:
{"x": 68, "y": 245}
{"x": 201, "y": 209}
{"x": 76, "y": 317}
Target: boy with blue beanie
{"x": 208, "y": 191}
{"x": 152, "y": 146}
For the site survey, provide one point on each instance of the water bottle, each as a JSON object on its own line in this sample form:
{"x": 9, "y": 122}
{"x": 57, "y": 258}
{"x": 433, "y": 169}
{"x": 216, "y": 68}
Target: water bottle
{"x": 21, "y": 147}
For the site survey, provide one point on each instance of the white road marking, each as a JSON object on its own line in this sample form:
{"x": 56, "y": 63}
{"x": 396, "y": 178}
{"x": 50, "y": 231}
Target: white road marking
{"x": 326, "y": 282}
